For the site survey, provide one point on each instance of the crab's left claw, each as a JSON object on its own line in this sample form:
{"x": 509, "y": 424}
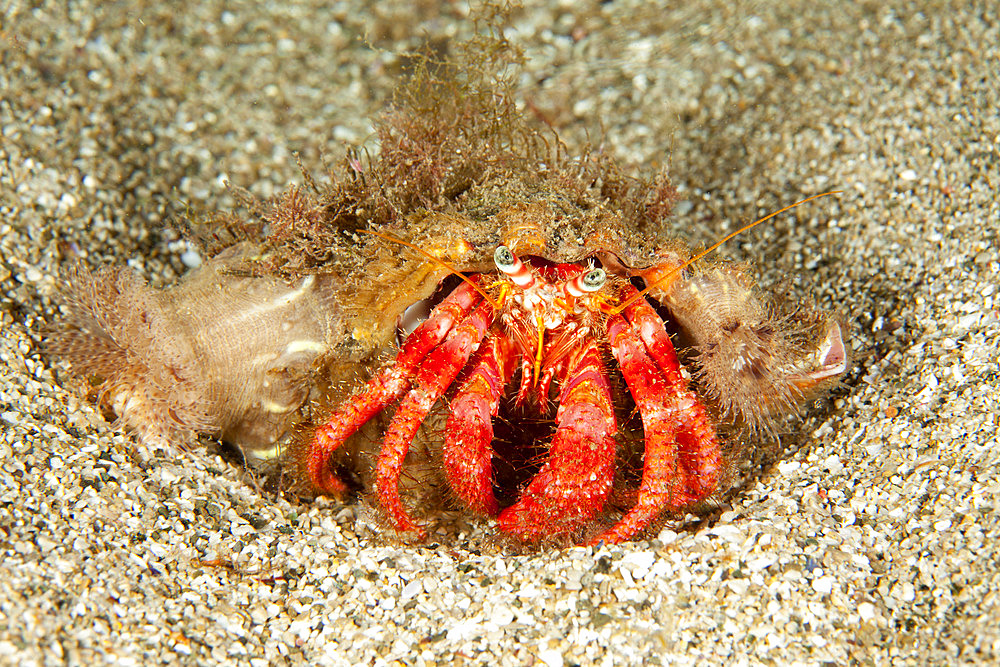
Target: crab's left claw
{"x": 574, "y": 483}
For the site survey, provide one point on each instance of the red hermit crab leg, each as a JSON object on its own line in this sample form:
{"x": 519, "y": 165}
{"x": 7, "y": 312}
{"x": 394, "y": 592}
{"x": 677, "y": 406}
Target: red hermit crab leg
{"x": 699, "y": 451}
{"x": 574, "y": 483}
{"x": 469, "y": 432}
{"x": 682, "y": 454}
{"x": 434, "y": 377}
{"x": 387, "y": 386}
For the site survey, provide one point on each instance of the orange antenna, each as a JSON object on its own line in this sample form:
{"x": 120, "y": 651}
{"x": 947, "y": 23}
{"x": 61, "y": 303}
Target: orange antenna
{"x": 437, "y": 260}
{"x": 673, "y": 272}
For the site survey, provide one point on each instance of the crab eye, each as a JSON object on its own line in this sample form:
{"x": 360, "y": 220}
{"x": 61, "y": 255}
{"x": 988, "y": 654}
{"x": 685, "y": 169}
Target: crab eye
{"x": 509, "y": 263}
{"x": 594, "y": 280}
{"x": 505, "y": 259}
{"x": 591, "y": 281}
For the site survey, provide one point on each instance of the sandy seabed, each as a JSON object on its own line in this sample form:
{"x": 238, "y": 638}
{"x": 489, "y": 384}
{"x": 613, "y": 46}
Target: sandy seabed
{"x": 876, "y": 541}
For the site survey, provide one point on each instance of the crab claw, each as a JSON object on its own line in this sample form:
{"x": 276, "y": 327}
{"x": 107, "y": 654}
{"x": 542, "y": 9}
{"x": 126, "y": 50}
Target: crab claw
{"x": 574, "y": 483}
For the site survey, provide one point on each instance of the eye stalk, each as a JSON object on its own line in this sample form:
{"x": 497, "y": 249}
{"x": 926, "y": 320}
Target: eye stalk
{"x": 585, "y": 283}
{"x": 511, "y": 265}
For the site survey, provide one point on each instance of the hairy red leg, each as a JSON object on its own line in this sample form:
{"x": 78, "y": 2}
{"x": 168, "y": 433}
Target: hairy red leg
{"x": 436, "y": 374}
{"x": 387, "y": 386}
{"x": 574, "y": 483}
{"x": 699, "y": 452}
{"x": 468, "y": 450}
{"x": 682, "y": 457}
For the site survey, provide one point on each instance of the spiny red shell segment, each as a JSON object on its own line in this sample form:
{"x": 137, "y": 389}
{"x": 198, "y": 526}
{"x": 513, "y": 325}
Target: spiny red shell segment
{"x": 468, "y": 450}
{"x": 387, "y": 386}
{"x": 574, "y": 483}
{"x": 437, "y": 373}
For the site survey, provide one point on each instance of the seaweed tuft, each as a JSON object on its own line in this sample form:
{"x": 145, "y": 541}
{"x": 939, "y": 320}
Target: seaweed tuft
{"x": 454, "y": 141}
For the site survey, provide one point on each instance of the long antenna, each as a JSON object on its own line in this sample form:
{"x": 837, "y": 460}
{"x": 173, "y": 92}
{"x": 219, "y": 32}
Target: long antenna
{"x": 437, "y": 260}
{"x": 673, "y": 272}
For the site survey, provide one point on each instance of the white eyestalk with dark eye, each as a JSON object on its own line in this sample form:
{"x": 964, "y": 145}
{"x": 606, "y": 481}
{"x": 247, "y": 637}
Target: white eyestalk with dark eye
{"x": 585, "y": 283}
{"x": 512, "y": 266}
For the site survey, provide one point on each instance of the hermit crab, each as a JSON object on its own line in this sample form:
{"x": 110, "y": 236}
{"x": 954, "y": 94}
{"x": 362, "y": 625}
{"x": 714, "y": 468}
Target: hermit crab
{"x": 530, "y": 340}
{"x": 474, "y": 291}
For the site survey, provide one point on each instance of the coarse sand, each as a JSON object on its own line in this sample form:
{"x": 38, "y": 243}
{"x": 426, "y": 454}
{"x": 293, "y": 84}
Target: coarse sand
{"x": 874, "y": 539}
